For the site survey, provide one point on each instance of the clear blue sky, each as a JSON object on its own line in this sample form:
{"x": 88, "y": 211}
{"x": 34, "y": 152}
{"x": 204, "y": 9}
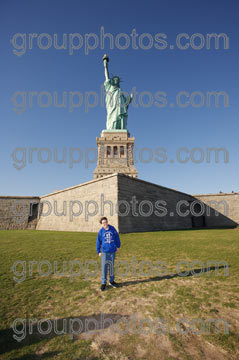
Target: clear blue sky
{"x": 151, "y": 70}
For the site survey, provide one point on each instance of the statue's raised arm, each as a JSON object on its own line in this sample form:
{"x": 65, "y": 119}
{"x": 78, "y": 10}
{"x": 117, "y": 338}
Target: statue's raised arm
{"x": 105, "y": 61}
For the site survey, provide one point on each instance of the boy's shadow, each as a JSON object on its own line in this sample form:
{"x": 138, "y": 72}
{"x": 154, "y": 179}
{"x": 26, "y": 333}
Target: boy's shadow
{"x": 171, "y": 276}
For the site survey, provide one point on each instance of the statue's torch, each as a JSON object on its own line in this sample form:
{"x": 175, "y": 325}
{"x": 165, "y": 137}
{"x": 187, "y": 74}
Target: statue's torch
{"x": 105, "y": 59}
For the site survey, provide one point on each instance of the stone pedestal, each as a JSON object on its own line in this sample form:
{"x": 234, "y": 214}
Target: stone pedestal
{"x": 115, "y": 153}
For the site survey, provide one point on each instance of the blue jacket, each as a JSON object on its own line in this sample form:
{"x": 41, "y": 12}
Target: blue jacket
{"x": 107, "y": 240}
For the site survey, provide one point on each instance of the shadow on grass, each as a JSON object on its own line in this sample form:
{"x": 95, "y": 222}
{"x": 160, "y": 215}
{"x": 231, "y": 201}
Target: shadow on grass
{"x": 32, "y": 332}
{"x": 47, "y": 355}
{"x": 171, "y": 276}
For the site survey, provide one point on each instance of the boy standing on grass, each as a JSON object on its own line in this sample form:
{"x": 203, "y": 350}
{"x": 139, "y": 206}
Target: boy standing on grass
{"x": 107, "y": 243}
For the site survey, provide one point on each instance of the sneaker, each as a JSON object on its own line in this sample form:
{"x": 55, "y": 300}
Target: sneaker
{"x": 103, "y": 286}
{"x": 113, "y": 284}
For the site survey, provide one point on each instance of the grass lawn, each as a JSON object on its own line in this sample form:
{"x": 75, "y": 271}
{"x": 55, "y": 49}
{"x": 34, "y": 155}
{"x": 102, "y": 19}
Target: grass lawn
{"x": 152, "y": 315}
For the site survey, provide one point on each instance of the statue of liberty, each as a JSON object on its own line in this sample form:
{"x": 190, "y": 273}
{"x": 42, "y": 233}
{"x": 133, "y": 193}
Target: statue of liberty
{"x": 116, "y": 102}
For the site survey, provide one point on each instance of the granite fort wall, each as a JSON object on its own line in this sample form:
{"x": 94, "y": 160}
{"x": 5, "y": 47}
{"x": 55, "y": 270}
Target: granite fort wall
{"x": 230, "y": 201}
{"x": 90, "y": 195}
{"x": 100, "y": 197}
{"x": 143, "y": 190}
{"x": 15, "y": 212}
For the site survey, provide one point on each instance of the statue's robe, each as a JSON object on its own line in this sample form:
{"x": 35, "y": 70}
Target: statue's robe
{"x": 116, "y": 105}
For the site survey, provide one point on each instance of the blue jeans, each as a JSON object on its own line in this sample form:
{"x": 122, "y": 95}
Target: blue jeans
{"x": 107, "y": 260}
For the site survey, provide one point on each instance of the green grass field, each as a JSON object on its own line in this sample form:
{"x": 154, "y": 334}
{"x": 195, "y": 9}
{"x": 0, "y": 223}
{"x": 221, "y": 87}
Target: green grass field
{"x": 172, "y": 312}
